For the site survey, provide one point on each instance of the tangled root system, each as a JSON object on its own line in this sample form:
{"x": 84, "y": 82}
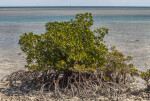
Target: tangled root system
{"x": 70, "y": 83}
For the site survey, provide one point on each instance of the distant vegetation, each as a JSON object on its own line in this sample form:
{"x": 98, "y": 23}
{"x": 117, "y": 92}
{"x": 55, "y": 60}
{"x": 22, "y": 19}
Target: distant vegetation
{"x": 70, "y": 58}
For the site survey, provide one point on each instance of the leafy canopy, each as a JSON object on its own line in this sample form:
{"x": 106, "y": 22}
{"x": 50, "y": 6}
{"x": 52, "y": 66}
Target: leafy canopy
{"x": 68, "y": 45}
{"x": 146, "y": 76}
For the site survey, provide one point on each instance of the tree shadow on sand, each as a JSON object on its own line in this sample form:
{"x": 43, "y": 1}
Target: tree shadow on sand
{"x": 144, "y": 93}
{"x": 10, "y": 88}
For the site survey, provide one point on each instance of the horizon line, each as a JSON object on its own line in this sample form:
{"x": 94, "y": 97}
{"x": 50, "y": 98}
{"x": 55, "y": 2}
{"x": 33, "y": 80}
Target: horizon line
{"x": 74, "y": 6}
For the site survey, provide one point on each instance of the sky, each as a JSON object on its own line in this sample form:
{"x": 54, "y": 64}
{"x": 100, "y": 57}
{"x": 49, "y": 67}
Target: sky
{"x": 74, "y": 2}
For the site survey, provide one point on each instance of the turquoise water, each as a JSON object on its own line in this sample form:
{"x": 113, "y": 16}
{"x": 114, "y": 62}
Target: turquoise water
{"x": 33, "y": 19}
{"x": 44, "y": 19}
{"x": 47, "y": 14}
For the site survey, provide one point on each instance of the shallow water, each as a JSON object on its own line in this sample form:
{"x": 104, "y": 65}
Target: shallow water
{"x": 10, "y": 61}
{"x": 131, "y": 39}
{"x": 129, "y": 30}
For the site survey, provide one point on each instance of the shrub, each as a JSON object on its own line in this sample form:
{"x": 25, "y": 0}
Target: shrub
{"x": 66, "y": 46}
{"x": 146, "y": 77}
{"x": 70, "y": 57}
{"x": 117, "y": 67}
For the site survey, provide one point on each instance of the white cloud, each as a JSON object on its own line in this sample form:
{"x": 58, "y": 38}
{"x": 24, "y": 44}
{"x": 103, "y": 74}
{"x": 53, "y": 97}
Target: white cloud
{"x": 74, "y": 2}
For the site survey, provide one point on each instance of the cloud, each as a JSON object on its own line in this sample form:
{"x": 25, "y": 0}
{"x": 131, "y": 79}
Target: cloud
{"x": 74, "y": 2}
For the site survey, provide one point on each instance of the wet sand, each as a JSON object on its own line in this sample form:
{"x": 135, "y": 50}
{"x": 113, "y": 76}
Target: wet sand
{"x": 131, "y": 39}
{"x": 10, "y": 61}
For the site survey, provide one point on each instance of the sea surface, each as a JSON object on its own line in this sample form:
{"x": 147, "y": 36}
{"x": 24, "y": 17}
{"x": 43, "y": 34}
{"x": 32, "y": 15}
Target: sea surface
{"x": 129, "y": 30}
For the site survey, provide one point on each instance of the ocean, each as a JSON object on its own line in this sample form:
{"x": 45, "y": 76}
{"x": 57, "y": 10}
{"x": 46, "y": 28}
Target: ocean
{"x": 47, "y": 14}
{"x": 129, "y": 30}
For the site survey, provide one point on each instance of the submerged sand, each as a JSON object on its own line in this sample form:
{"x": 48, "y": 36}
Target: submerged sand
{"x": 130, "y": 38}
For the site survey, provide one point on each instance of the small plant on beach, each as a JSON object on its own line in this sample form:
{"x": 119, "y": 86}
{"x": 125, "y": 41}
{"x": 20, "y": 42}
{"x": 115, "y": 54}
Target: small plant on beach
{"x": 71, "y": 58}
{"x": 146, "y": 77}
{"x": 117, "y": 67}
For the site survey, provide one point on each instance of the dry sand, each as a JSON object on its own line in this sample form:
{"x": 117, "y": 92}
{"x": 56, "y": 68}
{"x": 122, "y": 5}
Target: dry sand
{"x": 7, "y": 94}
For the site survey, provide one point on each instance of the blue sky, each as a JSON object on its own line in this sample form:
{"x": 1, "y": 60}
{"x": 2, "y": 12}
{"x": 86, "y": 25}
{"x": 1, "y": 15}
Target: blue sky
{"x": 74, "y": 2}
